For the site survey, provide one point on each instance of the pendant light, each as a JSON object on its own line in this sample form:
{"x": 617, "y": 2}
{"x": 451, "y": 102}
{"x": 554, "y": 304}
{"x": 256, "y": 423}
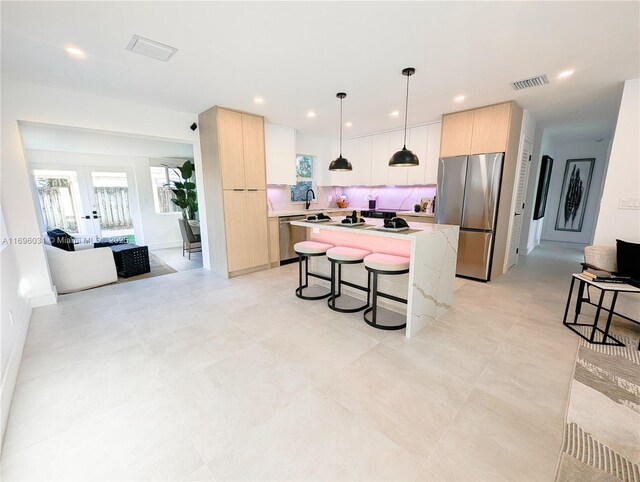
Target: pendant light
{"x": 340, "y": 164}
{"x": 404, "y": 157}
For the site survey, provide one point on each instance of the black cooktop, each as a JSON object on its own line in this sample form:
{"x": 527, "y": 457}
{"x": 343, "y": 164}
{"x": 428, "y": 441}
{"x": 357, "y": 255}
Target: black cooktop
{"x": 378, "y": 213}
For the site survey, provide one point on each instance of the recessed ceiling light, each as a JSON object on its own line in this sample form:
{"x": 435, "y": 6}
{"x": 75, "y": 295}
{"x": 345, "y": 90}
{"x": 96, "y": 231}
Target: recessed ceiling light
{"x": 459, "y": 98}
{"x": 348, "y": 124}
{"x": 75, "y": 52}
{"x": 258, "y": 100}
{"x": 395, "y": 113}
{"x": 311, "y": 114}
{"x": 565, "y": 74}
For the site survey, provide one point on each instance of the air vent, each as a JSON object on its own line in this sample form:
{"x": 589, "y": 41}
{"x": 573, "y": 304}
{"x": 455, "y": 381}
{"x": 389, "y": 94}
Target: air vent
{"x": 151, "y": 48}
{"x": 531, "y": 82}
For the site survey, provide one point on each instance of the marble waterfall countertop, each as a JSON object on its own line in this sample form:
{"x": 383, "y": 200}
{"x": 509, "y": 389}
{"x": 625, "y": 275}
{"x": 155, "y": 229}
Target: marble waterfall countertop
{"x": 432, "y": 248}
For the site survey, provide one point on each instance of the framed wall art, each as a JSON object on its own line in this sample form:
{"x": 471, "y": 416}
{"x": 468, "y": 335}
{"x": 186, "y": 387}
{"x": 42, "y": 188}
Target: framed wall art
{"x": 543, "y": 187}
{"x": 574, "y": 194}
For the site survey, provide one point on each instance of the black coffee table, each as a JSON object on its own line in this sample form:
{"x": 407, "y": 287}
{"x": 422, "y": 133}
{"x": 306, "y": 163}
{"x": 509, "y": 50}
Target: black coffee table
{"x": 131, "y": 260}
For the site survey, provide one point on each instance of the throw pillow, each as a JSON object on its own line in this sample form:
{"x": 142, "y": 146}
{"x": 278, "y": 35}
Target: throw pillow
{"x": 628, "y": 258}
{"x": 61, "y": 240}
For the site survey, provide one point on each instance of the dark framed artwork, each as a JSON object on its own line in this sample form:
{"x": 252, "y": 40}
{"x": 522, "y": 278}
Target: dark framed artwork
{"x": 574, "y": 194}
{"x": 543, "y": 186}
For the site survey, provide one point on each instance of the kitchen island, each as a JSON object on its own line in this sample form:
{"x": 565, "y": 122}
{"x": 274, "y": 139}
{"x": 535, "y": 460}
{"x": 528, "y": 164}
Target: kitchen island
{"x": 432, "y": 248}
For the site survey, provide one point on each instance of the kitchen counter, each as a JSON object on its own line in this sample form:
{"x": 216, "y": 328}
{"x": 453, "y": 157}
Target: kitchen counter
{"x": 296, "y": 212}
{"x": 413, "y": 213}
{"x": 432, "y": 248}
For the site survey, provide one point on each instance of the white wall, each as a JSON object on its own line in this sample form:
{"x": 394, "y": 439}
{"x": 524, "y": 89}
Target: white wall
{"x": 154, "y": 230}
{"x": 623, "y": 174}
{"x": 29, "y": 273}
{"x": 575, "y": 150}
{"x": 532, "y": 229}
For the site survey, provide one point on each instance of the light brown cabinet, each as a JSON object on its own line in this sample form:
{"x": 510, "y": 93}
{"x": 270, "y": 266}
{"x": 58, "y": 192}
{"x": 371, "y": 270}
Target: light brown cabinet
{"x": 455, "y": 139}
{"x": 476, "y": 131}
{"x": 417, "y": 219}
{"x": 245, "y": 214}
{"x": 255, "y": 174}
{"x": 241, "y": 148}
{"x": 234, "y": 178}
{"x": 491, "y": 129}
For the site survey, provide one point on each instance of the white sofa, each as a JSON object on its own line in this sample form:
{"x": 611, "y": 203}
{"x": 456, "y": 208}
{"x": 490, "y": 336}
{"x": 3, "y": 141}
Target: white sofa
{"x": 85, "y": 268}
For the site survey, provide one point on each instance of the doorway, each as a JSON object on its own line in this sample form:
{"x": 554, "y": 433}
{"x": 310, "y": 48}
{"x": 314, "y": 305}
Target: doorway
{"x": 86, "y": 201}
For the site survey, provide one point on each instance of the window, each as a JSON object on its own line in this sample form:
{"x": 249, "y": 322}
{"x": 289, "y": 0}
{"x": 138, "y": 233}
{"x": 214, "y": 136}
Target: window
{"x": 162, "y": 194}
{"x": 304, "y": 178}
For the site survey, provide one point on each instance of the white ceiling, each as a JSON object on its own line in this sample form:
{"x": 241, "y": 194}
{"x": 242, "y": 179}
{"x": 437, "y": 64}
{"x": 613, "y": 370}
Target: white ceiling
{"x": 297, "y": 55}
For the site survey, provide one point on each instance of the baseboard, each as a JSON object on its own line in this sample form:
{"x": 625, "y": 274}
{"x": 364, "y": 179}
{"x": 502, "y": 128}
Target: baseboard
{"x": 13, "y": 366}
{"x": 43, "y": 300}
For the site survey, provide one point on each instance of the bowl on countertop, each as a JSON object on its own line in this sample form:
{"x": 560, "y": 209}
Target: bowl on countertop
{"x": 342, "y": 204}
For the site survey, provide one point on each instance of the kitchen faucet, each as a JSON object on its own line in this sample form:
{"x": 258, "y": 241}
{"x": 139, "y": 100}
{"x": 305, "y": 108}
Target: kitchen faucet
{"x": 307, "y": 202}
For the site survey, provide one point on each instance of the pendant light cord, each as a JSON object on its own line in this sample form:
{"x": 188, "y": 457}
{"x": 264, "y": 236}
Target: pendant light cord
{"x": 406, "y": 108}
{"x": 341, "y": 99}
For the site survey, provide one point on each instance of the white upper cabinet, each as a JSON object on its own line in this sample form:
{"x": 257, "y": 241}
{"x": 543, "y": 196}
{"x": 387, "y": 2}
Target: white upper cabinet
{"x": 417, "y": 143}
{"x": 380, "y": 159}
{"x": 358, "y": 152}
{"x": 280, "y": 147}
{"x": 433, "y": 153}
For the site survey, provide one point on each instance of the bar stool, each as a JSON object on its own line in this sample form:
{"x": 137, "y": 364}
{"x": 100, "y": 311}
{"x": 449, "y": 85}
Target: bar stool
{"x": 343, "y": 255}
{"x": 385, "y": 264}
{"x": 304, "y": 250}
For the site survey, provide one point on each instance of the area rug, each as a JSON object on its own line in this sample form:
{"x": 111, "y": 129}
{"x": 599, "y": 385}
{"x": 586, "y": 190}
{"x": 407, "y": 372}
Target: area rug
{"x": 158, "y": 268}
{"x": 602, "y": 432}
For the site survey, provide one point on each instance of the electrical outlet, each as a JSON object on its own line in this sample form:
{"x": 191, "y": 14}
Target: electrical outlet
{"x": 11, "y": 317}
{"x": 629, "y": 203}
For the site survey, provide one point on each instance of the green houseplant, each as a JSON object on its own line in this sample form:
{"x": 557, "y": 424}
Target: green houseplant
{"x": 185, "y": 190}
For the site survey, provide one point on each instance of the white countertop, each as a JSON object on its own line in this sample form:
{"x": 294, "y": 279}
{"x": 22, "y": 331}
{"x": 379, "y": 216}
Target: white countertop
{"x": 416, "y": 229}
{"x": 413, "y": 213}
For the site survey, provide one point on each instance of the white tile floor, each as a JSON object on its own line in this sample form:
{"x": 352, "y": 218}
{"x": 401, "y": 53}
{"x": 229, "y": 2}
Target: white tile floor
{"x": 174, "y": 258}
{"x": 192, "y": 377}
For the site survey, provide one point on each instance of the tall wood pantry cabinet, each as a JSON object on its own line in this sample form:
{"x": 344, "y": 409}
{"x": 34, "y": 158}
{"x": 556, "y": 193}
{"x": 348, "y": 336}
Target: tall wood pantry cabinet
{"x": 234, "y": 179}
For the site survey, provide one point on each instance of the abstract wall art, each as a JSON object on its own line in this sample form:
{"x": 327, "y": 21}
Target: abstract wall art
{"x": 573, "y": 197}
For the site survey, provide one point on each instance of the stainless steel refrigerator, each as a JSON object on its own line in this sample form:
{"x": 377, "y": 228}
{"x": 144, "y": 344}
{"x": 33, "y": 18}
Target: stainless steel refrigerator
{"x": 467, "y": 196}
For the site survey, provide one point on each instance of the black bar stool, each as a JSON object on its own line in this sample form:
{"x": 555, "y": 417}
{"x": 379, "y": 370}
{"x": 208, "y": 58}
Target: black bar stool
{"x": 343, "y": 255}
{"x": 385, "y": 264}
{"x": 304, "y": 250}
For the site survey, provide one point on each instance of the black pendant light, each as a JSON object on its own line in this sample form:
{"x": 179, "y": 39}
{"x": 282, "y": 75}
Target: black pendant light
{"x": 340, "y": 164}
{"x": 404, "y": 157}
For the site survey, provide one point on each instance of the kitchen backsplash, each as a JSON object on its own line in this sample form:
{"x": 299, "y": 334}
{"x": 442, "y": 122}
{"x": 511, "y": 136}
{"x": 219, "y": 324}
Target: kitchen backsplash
{"x": 400, "y": 198}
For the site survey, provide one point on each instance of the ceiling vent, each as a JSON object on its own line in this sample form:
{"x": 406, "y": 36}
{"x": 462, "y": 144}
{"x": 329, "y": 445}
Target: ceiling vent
{"x": 151, "y": 48}
{"x": 530, "y": 82}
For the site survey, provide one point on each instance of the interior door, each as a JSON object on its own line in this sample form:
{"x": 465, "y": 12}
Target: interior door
{"x": 521, "y": 189}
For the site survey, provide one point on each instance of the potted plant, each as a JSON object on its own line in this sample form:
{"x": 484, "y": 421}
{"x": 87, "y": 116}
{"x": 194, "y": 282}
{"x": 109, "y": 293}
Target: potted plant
{"x": 185, "y": 190}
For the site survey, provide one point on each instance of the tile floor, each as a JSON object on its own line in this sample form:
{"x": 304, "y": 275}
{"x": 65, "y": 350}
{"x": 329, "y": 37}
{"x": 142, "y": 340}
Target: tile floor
{"x": 173, "y": 257}
{"x": 192, "y": 377}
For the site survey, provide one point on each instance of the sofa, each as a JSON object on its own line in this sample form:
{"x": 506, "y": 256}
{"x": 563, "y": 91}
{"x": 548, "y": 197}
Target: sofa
{"x": 82, "y": 268}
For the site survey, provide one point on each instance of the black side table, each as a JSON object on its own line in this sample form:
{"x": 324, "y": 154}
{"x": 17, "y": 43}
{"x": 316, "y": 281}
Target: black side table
{"x": 131, "y": 260}
{"x": 603, "y": 287}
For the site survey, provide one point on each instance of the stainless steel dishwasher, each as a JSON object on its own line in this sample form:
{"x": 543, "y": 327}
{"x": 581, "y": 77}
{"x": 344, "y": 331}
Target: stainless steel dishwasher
{"x": 289, "y": 236}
